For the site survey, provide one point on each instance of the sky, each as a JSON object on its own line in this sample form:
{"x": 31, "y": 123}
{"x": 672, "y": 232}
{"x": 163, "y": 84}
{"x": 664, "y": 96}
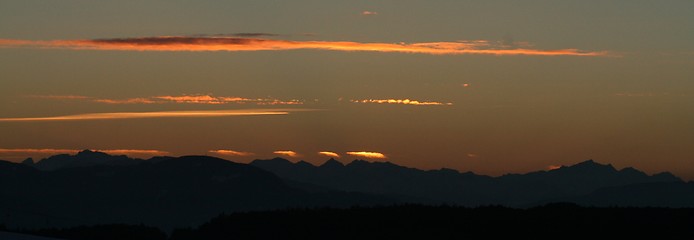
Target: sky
{"x": 492, "y": 87}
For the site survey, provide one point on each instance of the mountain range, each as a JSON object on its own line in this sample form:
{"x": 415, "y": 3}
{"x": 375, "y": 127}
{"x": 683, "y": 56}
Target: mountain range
{"x": 96, "y": 188}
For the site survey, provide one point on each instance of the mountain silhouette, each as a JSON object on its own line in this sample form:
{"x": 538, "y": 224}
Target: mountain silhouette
{"x": 84, "y": 158}
{"x": 451, "y": 186}
{"x": 164, "y": 192}
{"x": 96, "y": 188}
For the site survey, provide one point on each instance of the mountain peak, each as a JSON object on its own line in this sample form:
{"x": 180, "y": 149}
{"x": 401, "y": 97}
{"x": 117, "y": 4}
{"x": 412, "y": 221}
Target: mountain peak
{"x": 28, "y": 162}
{"x": 91, "y": 154}
{"x": 332, "y": 163}
{"x": 590, "y": 164}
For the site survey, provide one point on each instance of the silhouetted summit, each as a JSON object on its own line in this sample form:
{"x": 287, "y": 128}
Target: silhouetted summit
{"x": 84, "y": 158}
{"x": 163, "y": 192}
{"x": 97, "y": 188}
{"x": 451, "y": 186}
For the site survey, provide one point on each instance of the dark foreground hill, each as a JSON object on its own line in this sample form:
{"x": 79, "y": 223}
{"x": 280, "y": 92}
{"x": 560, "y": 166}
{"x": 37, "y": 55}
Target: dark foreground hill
{"x": 554, "y": 221}
{"x": 164, "y": 192}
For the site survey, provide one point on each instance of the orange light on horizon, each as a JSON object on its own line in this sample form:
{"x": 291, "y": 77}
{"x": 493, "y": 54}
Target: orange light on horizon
{"x": 553, "y": 167}
{"x": 286, "y": 153}
{"x": 182, "y": 43}
{"x": 329, "y": 154}
{"x": 368, "y": 154}
{"x": 232, "y": 153}
{"x": 20, "y": 153}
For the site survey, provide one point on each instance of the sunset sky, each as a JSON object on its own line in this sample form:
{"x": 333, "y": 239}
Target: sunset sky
{"x": 491, "y": 87}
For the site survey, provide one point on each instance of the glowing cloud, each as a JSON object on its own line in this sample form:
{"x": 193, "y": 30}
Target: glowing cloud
{"x": 35, "y": 150}
{"x": 133, "y": 152}
{"x": 125, "y": 101}
{"x": 198, "y": 99}
{"x": 286, "y": 153}
{"x": 553, "y": 167}
{"x": 369, "y": 13}
{"x": 164, "y": 114}
{"x": 402, "y": 101}
{"x": 232, "y": 44}
{"x": 329, "y": 154}
{"x": 368, "y": 154}
{"x": 232, "y": 153}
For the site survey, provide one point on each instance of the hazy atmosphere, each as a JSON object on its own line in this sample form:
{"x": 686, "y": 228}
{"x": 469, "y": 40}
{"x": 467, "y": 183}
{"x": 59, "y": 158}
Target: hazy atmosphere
{"x": 492, "y": 87}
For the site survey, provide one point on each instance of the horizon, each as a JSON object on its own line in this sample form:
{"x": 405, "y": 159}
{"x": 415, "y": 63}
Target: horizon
{"x": 491, "y": 87}
{"x": 346, "y": 162}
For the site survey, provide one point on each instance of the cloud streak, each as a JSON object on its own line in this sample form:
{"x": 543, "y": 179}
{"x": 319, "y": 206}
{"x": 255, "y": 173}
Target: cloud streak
{"x": 232, "y": 153}
{"x": 184, "y": 99}
{"x": 161, "y": 114}
{"x": 329, "y": 154}
{"x": 287, "y": 153}
{"x": 402, "y": 101}
{"x": 233, "y": 44}
{"x": 60, "y": 97}
{"x": 368, "y": 154}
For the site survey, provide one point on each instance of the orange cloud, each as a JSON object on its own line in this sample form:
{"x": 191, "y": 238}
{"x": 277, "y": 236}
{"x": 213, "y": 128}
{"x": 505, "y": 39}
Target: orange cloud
{"x": 180, "y": 43}
{"x": 367, "y": 154}
{"x": 369, "y": 13}
{"x": 200, "y": 99}
{"x": 401, "y": 101}
{"x": 133, "y": 152}
{"x": 125, "y": 101}
{"x": 232, "y": 153}
{"x": 207, "y": 99}
{"x": 35, "y": 150}
{"x": 553, "y": 167}
{"x": 163, "y": 114}
{"x": 286, "y": 153}
{"x": 329, "y": 154}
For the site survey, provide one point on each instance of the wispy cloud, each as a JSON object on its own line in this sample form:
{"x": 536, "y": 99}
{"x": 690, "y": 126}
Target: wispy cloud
{"x": 232, "y": 153}
{"x": 329, "y": 154}
{"x": 37, "y": 150}
{"x": 208, "y": 99}
{"x": 369, "y": 13}
{"x": 183, "y": 43}
{"x": 133, "y": 152}
{"x": 186, "y": 99}
{"x": 126, "y": 101}
{"x": 60, "y": 97}
{"x": 402, "y": 101}
{"x": 287, "y": 153}
{"x": 162, "y": 114}
{"x": 368, "y": 154}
